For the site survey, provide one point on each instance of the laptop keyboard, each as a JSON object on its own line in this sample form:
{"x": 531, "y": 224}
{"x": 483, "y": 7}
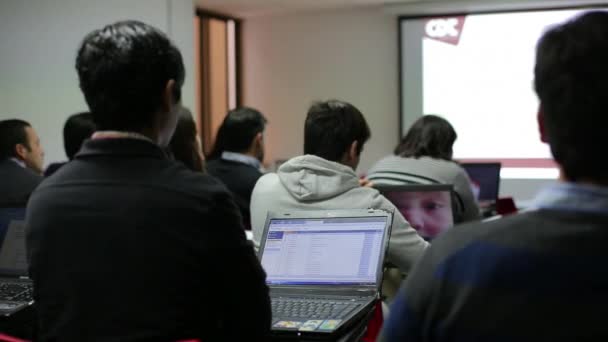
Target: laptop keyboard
{"x": 307, "y": 308}
{"x": 16, "y": 292}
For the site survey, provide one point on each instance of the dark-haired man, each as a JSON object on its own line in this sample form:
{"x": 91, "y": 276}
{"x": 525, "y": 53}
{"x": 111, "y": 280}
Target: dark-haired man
{"x": 77, "y": 128}
{"x": 325, "y": 178}
{"x": 21, "y": 162}
{"x": 124, "y": 244}
{"x": 238, "y": 155}
{"x": 539, "y": 275}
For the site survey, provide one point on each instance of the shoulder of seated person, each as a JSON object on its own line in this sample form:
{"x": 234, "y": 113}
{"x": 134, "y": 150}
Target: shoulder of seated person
{"x": 447, "y": 163}
{"x": 496, "y": 231}
{"x": 447, "y": 166}
{"x": 195, "y": 180}
{"x": 268, "y": 184}
{"x": 269, "y": 177}
{"x": 377, "y": 200}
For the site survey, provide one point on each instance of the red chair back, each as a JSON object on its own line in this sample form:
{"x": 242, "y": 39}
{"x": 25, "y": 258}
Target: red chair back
{"x": 374, "y": 325}
{"x": 8, "y": 338}
{"x": 505, "y": 206}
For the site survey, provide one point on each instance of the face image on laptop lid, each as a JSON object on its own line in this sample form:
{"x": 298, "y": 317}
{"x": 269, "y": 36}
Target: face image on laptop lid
{"x": 427, "y": 207}
{"x": 15, "y": 290}
{"x": 324, "y": 268}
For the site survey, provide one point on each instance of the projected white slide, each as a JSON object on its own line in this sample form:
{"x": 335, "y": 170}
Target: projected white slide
{"x": 477, "y": 71}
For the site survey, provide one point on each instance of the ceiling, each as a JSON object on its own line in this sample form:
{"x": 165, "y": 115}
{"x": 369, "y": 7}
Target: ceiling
{"x": 249, "y": 8}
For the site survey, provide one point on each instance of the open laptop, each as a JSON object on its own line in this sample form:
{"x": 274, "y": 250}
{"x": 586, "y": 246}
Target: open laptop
{"x": 429, "y": 208}
{"x": 486, "y": 176}
{"x": 15, "y": 286}
{"x": 324, "y": 269}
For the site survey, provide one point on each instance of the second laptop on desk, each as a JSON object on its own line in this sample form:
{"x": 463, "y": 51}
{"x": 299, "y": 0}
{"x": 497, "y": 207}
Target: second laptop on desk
{"x": 324, "y": 269}
{"x": 15, "y": 286}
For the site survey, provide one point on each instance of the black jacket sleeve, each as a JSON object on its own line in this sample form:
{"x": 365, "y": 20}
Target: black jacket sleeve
{"x": 245, "y": 308}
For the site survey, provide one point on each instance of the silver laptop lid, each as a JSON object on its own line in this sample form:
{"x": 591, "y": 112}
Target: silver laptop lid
{"x": 429, "y": 208}
{"x": 325, "y": 248}
{"x": 13, "y": 258}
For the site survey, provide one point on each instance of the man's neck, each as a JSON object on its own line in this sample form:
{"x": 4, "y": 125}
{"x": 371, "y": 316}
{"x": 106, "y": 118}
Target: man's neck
{"x": 345, "y": 162}
{"x": 583, "y": 181}
{"x": 248, "y": 154}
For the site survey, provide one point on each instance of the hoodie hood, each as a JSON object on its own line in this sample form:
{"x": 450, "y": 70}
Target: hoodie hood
{"x": 311, "y": 178}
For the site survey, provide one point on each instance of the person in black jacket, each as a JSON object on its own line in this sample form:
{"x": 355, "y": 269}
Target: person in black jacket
{"x": 237, "y": 155}
{"x": 125, "y": 244}
{"x": 21, "y": 161}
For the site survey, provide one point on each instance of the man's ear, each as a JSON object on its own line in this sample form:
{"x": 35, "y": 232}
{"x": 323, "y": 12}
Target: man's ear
{"x": 168, "y": 99}
{"x": 21, "y": 151}
{"x": 353, "y": 150}
{"x": 540, "y": 118}
{"x": 256, "y": 141}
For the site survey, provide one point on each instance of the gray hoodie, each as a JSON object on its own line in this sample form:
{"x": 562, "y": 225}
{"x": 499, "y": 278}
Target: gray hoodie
{"x": 312, "y": 183}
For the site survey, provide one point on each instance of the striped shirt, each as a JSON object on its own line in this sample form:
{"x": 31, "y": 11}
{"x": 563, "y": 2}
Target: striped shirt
{"x": 536, "y": 276}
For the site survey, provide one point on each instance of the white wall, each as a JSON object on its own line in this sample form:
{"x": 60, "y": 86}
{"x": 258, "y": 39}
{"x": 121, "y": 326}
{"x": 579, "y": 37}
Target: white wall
{"x": 292, "y": 60}
{"x": 39, "y": 39}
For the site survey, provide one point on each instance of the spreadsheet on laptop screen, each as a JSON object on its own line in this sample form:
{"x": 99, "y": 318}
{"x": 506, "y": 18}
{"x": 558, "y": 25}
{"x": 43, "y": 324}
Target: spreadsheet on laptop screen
{"x": 323, "y": 251}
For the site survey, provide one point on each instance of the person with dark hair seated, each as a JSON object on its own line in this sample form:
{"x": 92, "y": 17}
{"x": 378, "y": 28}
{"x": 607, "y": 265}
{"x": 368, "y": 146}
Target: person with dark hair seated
{"x": 21, "y": 162}
{"x": 237, "y": 155}
{"x": 185, "y": 145}
{"x": 125, "y": 244}
{"x": 424, "y": 156}
{"x": 78, "y": 127}
{"x": 324, "y": 178}
{"x": 537, "y": 275}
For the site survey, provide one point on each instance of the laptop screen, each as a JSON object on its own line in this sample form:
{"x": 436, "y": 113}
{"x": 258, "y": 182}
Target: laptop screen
{"x": 486, "y": 178}
{"x": 325, "y": 251}
{"x": 428, "y": 208}
{"x": 13, "y": 258}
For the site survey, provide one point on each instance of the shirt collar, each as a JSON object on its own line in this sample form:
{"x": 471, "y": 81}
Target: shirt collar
{"x": 18, "y": 162}
{"x": 120, "y": 135}
{"x": 117, "y": 146}
{"x": 573, "y": 197}
{"x": 241, "y": 158}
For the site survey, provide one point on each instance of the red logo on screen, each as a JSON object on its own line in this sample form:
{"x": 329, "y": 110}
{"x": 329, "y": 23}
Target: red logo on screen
{"x": 447, "y": 30}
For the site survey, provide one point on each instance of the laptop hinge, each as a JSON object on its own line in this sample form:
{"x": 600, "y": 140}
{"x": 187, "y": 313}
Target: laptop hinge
{"x": 337, "y": 290}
